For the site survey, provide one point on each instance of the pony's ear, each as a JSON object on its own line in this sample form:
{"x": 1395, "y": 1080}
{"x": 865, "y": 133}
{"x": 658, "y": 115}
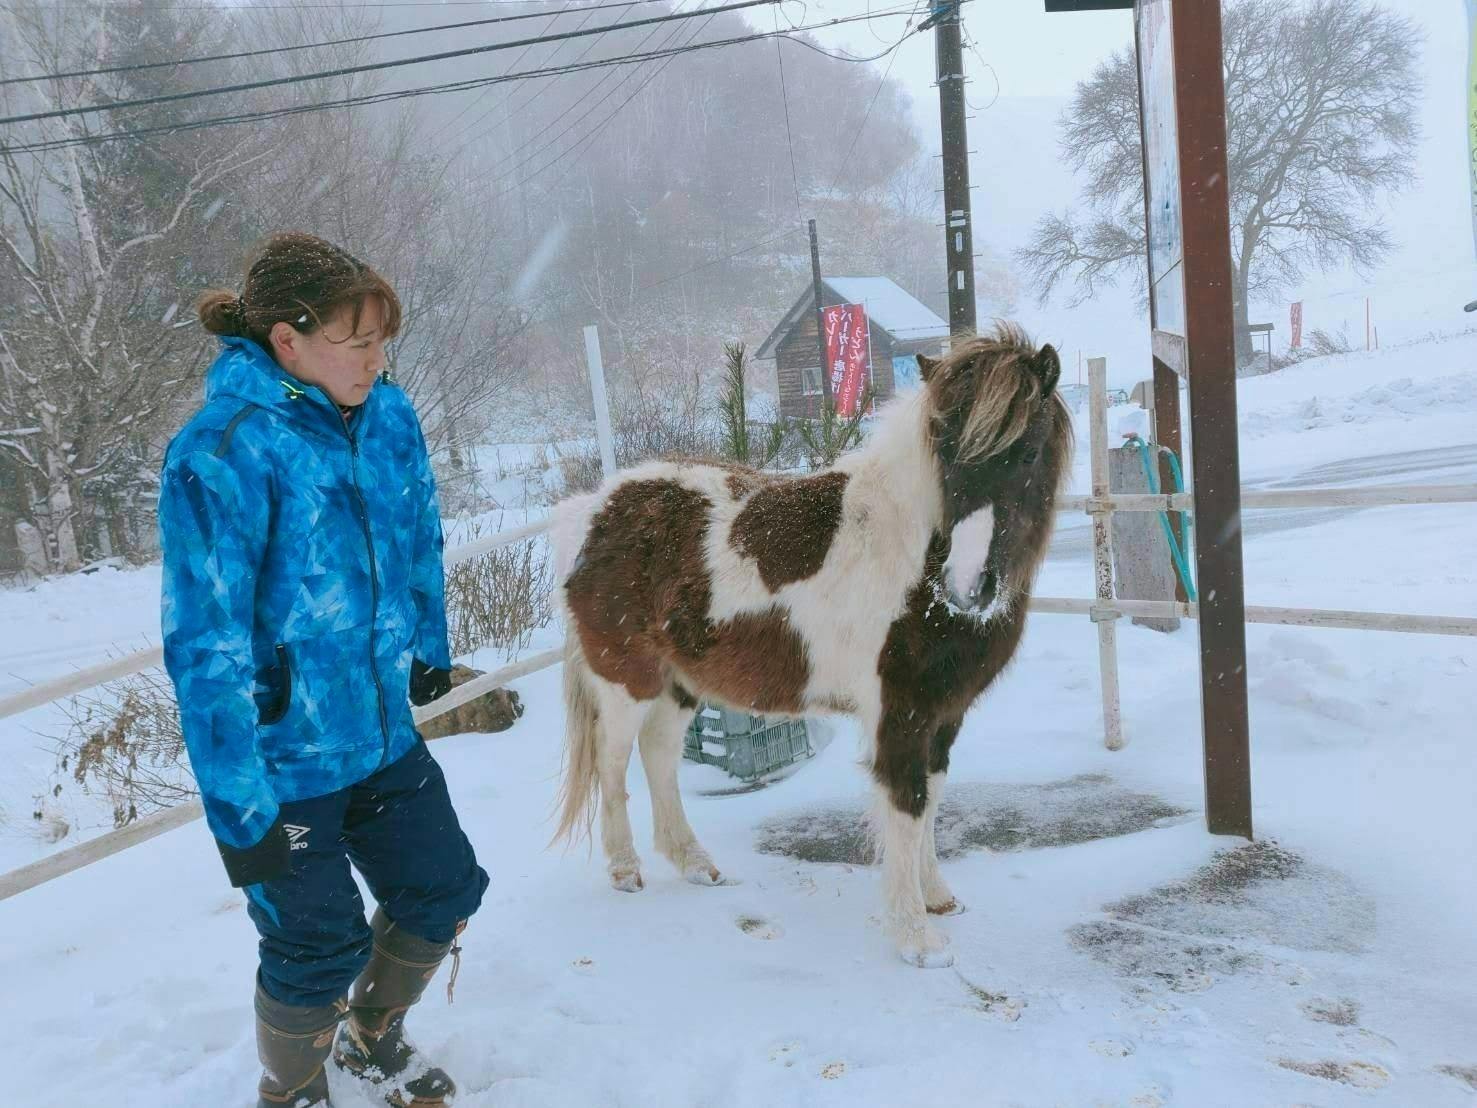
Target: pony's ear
{"x": 926, "y": 366}
{"x": 1048, "y": 367}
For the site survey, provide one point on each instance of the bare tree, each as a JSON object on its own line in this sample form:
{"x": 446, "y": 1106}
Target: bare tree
{"x": 1320, "y": 102}
{"x": 90, "y": 368}
{"x": 373, "y": 180}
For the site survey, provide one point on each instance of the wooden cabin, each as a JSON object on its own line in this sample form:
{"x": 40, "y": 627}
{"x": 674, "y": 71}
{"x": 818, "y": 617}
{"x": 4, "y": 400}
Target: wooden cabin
{"x": 901, "y": 327}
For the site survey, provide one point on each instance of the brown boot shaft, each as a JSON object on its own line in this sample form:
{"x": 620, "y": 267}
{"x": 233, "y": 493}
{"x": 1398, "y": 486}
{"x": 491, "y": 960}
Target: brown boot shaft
{"x": 400, "y": 968}
{"x": 293, "y": 1043}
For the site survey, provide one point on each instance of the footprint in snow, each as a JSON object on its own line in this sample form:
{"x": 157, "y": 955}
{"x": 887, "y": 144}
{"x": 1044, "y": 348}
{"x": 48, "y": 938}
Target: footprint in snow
{"x": 758, "y": 927}
{"x": 1361, "y": 1075}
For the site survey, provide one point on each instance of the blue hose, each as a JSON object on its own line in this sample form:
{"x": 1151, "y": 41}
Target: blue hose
{"x": 1178, "y": 547}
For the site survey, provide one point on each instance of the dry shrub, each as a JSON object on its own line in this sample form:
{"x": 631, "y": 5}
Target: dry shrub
{"x": 642, "y": 429}
{"x": 125, "y": 745}
{"x": 500, "y": 598}
{"x": 581, "y": 470}
{"x": 1318, "y": 344}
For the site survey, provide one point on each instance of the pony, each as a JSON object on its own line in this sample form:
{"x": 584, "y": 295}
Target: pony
{"x": 830, "y": 593}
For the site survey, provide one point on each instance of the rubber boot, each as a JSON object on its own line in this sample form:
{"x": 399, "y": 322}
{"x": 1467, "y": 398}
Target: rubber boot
{"x": 293, "y": 1043}
{"x": 372, "y": 1044}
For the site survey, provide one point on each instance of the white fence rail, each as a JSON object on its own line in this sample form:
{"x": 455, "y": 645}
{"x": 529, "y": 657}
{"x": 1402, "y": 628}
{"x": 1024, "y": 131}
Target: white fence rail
{"x": 45, "y": 692}
{"x": 1378, "y": 496}
{"x": 1294, "y": 617}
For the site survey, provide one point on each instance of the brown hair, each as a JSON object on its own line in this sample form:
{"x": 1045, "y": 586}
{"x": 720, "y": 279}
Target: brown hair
{"x": 299, "y": 279}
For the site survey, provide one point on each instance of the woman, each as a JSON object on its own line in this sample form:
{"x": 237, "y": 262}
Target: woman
{"x": 302, "y": 603}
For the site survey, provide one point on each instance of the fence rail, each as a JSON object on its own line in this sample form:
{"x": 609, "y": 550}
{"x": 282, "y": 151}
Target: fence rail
{"x": 1378, "y": 496}
{"x": 44, "y": 692}
{"x": 1295, "y": 617}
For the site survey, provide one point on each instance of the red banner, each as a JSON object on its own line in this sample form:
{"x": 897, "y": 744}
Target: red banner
{"x": 1297, "y": 325}
{"x": 848, "y": 354}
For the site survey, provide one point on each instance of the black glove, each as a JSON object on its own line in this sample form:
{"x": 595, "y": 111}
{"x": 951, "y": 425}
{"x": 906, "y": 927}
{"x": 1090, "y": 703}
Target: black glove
{"x": 267, "y": 860}
{"x": 427, "y": 683}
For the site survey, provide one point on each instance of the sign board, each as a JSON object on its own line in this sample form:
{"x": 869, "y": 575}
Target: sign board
{"x": 848, "y": 354}
{"x": 1154, "y": 30}
{"x": 905, "y": 373}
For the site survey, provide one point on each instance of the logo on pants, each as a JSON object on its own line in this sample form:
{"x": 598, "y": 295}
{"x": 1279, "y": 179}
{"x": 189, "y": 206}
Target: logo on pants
{"x": 297, "y": 837}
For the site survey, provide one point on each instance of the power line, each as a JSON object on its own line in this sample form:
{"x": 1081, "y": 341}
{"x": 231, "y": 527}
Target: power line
{"x": 370, "y": 67}
{"x": 308, "y": 45}
{"x": 383, "y": 97}
{"x": 589, "y": 138}
{"x": 785, "y": 99}
{"x": 553, "y": 19}
{"x": 594, "y": 133}
{"x": 976, "y": 51}
{"x": 582, "y": 117}
{"x": 511, "y": 99}
{"x": 881, "y": 84}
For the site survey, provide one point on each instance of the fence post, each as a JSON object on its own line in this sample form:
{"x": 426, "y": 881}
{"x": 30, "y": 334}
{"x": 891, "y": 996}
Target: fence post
{"x": 1102, "y": 550}
{"x": 601, "y": 399}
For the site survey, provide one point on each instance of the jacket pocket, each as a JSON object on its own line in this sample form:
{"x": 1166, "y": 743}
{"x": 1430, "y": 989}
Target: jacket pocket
{"x": 274, "y": 689}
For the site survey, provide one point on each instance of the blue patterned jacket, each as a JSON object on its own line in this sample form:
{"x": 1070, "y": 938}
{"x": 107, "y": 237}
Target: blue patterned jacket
{"x": 302, "y": 573}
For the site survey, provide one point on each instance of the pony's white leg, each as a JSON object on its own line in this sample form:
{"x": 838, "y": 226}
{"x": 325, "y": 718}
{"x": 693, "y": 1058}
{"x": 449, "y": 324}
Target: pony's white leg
{"x": 936, "y": 895}
{"x": 918, "y": 941}
{"x": 620, "y": 719}
{"x": 661, "y": 753}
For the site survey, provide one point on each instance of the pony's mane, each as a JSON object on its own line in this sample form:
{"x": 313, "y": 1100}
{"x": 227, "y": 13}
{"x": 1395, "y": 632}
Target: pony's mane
{"x": 1001, "y": 394}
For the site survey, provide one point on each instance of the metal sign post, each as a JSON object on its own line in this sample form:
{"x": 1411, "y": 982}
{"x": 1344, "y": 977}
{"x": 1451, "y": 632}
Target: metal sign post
{"x": 1183, "y": 126}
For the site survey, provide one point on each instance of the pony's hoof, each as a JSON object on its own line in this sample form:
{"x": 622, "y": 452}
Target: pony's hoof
{"x": 951, "y": 907}
{"x": 708, "y": 875}
{"x": 925, "y": 958}
{"x": 926, "y": 948}
{"x": 627, "y": 882}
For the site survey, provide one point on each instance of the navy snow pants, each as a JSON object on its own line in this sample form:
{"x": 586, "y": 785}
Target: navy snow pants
{"x": 398, "y": 828}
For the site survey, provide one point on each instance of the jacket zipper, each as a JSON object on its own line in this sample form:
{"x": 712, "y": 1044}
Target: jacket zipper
{"x": 374, "y": 585}
{"x": 374, "y": 591}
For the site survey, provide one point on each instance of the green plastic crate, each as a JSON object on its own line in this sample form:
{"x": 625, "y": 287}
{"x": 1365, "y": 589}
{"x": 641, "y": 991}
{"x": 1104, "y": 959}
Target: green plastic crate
{"x": 743, "y": 744}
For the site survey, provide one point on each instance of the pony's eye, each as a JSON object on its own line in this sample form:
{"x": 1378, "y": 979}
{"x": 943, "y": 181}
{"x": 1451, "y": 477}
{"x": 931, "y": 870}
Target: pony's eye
{"x": 1030, "y": 456}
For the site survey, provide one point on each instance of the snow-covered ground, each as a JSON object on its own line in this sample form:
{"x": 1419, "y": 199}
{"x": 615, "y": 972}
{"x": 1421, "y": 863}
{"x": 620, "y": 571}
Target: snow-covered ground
{"x": 1107, "y": 956}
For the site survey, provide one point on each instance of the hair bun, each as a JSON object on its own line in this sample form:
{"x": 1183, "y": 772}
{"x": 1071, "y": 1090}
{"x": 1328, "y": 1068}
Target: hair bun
{"x": 221, "y": 312}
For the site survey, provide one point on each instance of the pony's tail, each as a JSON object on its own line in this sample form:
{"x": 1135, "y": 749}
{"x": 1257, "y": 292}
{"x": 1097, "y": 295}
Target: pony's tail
{"x": 579, "y": 792}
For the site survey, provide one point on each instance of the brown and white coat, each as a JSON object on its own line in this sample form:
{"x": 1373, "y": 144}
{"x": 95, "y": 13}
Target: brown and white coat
{"x": 683, "y": 581}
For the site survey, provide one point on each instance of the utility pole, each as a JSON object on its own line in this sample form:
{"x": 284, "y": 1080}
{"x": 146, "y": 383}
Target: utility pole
{"x": 959, "y": 235}
{"x": 820, "y": 317}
